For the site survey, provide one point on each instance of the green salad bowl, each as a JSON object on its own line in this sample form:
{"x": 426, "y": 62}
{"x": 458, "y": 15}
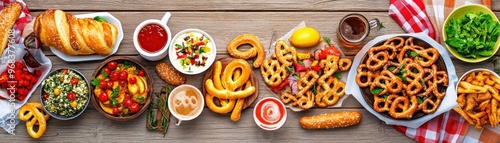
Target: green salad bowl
{"x": 460, "y": 13}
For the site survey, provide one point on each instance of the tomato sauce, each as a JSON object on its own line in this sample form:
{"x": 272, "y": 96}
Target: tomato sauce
{"x": 270, "y": 111}
{"x": 152, "y": 38}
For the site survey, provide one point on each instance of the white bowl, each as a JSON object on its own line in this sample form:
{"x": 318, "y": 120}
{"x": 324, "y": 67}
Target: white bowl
{"x": 272, "y": 125}
{"x": 178, "y": 39}
{"x": 159, "y": 54}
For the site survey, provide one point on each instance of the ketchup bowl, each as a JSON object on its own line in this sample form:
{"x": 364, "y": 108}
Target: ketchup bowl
{"x": 152, "y": 38}
{"x": 269, "y": 113}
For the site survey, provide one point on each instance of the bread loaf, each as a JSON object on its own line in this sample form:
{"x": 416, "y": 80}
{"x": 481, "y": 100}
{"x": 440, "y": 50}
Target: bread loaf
{"x": 331, "y": 120}
{"x": 75, "y": 36}
{"x": 8, "y": 16}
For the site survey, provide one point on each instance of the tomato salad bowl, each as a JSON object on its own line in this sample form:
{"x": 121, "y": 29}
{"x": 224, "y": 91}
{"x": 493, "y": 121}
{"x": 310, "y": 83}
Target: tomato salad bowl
{"x": 122, "y": 88}
{"x": 65, "y": 93}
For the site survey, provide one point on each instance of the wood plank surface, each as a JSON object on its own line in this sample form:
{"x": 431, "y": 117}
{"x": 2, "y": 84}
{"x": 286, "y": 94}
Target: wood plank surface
{"x": 223, "y": 20}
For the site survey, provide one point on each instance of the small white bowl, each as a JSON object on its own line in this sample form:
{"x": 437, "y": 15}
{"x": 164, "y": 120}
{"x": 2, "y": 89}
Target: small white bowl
{"x": 163, "y": 52}
{"x": 272, "y": 125}
{"x": 475, "y": 70}
{"x": 178, "y": 39}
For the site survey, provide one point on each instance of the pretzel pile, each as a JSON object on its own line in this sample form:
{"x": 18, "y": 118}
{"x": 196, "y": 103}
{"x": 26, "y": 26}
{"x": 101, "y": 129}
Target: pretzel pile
{"x": 403, "y": 78}
{"x": 320, "y": 88}
{"x": 227, "y": 90}
{"x": 34, "y": 115}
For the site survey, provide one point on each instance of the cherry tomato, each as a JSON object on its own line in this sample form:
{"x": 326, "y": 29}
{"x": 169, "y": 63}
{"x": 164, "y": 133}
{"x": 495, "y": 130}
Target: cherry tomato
{"x": 122, "y": 82}
{"x": 322, "y": 55}
{"x": 103, "y": 96}
{"x": 109, "y": 84}
{"x": 127, "y": 97}
{"x": 116, "y": 111}
{"x": 132, "y": 80}
{"x": 140, "y": 73}
{"x": 123, "y": 75}
{"x": 106, "y": 70}
{"x": 71, "y": 96}
{"x": 102, "y": 84}
{"x": 134, "y": 108}
{"x": 113, "y": 76}
{"x": 112, "y": 65}
{"x": 65, "y": 71}
{"x": 74, "y": 81}
{"x": 128, "y": 102}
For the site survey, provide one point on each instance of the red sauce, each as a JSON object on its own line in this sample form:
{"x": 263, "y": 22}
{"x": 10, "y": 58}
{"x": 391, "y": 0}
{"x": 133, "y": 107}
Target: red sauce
{"x": 152, "y": 38}
{"x": 270, "y": 111}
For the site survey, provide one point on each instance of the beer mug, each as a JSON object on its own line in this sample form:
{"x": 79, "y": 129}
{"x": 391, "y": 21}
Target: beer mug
{"x": 354, "y": 28}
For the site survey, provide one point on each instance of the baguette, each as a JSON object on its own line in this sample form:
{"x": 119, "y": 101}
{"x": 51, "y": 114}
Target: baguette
{"x": 8, "y": 17}
{"x": 331, "y": 120}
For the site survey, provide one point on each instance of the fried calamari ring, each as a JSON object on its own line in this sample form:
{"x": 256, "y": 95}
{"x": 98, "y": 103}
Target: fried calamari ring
{"x": 285, "y": 54}
{"x": 33, "y": 115}
{"x": 344, "y": 64}
{"x": 273, "y": 72}
{"x": 256, "y": 50}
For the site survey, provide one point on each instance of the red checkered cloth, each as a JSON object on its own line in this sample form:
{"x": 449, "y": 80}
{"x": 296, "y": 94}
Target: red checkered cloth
{"x": 411, "y": 16}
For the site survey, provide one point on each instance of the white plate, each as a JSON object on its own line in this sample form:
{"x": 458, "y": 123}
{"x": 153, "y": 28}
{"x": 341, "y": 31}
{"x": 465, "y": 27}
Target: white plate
{"x": 448, "y": 103}
{"x": 111, "y": 19}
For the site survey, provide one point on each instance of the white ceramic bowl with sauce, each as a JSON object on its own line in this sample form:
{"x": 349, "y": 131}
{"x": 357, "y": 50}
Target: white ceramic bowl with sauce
{"x": 204, "y": 54}
{"x": 154, "y": 51}
{"x": 269, "y": 113}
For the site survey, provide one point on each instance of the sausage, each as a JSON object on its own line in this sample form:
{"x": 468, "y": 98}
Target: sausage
{"x": 331, "y": 120}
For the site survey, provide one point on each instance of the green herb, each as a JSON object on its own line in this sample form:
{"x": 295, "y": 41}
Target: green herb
{"x": 380, "y": 26}
{"x": 114, "y": 93}
{"x": 421, "y": 99}
{"x": 328, "y": 41}
{"x": 95, "y": 82}
{"x": 338, "y": 74}
{"x": 179, "y": 46}
{"x": 302, "y": 63}
{"x": 296, "y": 77}
{"x": 414, "y": 70}
{"x": 376, "y": 90}
{"x": 114, "y": 102}
{"x": 100, "y": 19}
{"x": 127, "y": 64}
{"x": 391, "y": 68}
{"x": 420, "y": 58}
{"x": 412, "y": 53}
{"x": 314, "y": 89}
{"x": 400, "y": 75}
{"x": 385, "y": 96}
{"x": 151, "y": 117}
{"x": 401, "y": 66}
{"x": 201, "y": 50}
{"x": 141, "y": 99}
{"x": 423, "y": 82}
{"x": 472, "y": 35}
{"x": 104, "y": 74}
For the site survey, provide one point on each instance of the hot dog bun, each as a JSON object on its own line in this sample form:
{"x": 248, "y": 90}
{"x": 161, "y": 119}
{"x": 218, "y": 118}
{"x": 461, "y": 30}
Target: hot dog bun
{"x": 8, "y": 16}
{"x": 331, "y": 120}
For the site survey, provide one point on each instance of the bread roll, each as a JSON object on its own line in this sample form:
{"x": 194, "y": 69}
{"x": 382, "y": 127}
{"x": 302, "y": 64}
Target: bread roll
{"x": 75, "y": 36}
{"x": 8, "y": 17}
{"x": 331, "y": 120}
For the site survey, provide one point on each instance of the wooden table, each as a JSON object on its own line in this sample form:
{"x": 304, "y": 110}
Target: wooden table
{"x": 223, "y": 20}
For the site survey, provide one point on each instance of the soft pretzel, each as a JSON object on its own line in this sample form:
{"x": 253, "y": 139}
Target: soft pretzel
{"x": 235, "y": 115}
{"x": 285, "y": 54}
{"x": 226, "y": 105}
{"x": 34, "y": 114}
{"x": 256, "y": 50}
{"x": 231, "y": 84}
{"x": 273, "y": 72}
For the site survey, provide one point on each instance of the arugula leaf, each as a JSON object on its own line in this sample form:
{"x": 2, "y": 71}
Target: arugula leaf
{"x": 376, "y": 90}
